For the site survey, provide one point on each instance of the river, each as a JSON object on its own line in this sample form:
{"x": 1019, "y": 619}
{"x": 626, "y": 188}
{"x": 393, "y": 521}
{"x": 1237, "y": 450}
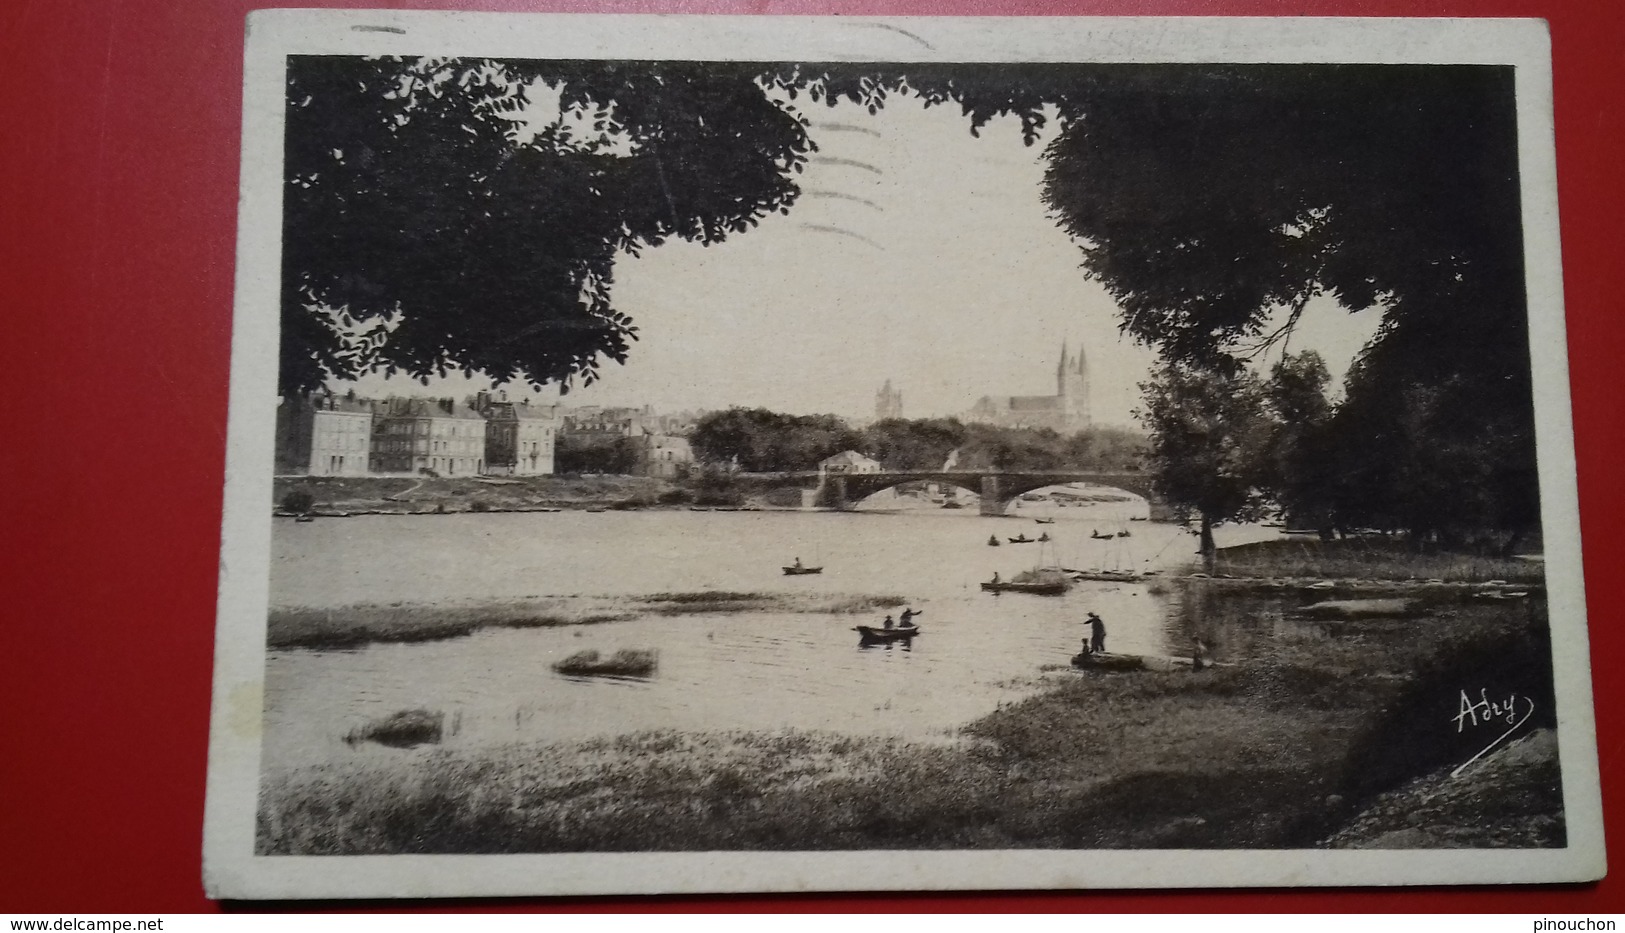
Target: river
{"x": 723, "y": 671}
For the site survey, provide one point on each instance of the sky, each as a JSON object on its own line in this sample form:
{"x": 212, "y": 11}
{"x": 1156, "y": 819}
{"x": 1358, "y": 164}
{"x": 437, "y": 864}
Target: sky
{"x": 916, "y": 253}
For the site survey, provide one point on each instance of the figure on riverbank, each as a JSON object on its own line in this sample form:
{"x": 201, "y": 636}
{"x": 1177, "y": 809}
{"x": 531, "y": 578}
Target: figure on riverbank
{"x": 1097, "y": 634}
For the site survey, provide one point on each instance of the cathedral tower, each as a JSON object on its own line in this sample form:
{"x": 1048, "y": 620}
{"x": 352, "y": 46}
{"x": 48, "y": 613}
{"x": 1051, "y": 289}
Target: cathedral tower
{"x": 1072, "y": 389}
{"x": 888, "y": 402}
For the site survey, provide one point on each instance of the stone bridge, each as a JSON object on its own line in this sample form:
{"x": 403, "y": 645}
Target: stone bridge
{"x": 997, "y": 488}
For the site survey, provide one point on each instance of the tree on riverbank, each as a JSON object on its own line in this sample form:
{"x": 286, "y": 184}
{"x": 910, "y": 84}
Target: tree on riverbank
{"x": 1209, "y": 440}
{"x": 763, "y": 441}
{"x": 1300, "y": 471}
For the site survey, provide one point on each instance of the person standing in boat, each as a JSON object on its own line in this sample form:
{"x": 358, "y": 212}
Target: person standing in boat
{"x": 1097, "y": 635}
{"x": 907, "y": 618}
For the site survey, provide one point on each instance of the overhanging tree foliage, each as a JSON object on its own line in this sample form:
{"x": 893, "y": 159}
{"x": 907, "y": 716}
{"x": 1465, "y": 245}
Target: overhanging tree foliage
{"x": 1215, "y": 200}
{"x": 425, "y": 230}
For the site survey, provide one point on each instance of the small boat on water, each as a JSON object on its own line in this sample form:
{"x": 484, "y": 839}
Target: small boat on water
{"x": 1044, "y": 588}
{"x": 992, "y": 540}
{"x": 1022, "y": 539}
{"x": 1107, "y": 576}
{"x": 797, "y": 571}
{"x": 1100, "y": 537}
{"x": 874, "y": 634}
{"x": 1123, "y": 534}
{"x": 1106, "y": 661}
{"x": 1044, "y": 521}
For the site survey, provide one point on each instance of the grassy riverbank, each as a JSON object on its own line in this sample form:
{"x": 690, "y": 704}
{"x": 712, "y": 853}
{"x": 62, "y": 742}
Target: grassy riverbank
{"x": 1371, "y": 558}
{"x": 413, "y": 494}
{"x": 418, "y": 495}
{"x": 1296, "y": 737}
{"x": 366, "y": 623}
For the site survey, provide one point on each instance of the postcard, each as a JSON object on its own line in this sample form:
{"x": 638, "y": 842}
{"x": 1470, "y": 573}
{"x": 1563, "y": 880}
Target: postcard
{"x": 722, "y": 454}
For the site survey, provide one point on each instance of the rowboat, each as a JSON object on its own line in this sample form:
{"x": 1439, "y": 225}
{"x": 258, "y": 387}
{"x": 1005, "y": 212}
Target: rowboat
{"x": 1047, "y": 588}
{"x": 798, "y": 571}
{"x": 1107, "y": 576}
{"x": 871, "y": 634}
{"x": 1105, "y": 661}
{"x": 1022, "y": 539}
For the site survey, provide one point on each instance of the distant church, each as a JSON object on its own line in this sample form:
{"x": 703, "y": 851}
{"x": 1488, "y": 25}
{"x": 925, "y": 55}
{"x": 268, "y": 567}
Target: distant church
{"x": 1066, "y": 412}
{"x": 888, "y": 402}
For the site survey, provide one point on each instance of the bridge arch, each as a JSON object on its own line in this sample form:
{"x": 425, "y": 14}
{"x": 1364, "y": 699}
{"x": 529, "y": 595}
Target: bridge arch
{"x": 997, "y": 488}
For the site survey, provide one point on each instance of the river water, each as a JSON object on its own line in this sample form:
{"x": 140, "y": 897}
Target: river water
{"x": 722, "y": 671}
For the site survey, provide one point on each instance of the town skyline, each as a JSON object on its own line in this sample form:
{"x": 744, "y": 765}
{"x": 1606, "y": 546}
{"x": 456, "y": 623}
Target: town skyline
{"x": 916, "y": 253}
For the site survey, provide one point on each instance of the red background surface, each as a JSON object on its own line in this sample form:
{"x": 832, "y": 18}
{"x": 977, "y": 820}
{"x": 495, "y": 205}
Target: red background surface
{"x": 119, "y": 130}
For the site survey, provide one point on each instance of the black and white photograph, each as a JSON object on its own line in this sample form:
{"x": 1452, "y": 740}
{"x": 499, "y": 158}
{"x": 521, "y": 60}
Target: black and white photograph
{"x": 680, "y": 454}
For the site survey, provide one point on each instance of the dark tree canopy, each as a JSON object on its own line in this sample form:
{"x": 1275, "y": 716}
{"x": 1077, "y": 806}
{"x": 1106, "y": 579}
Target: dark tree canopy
{"x": 1210, "y": 201}
{"x": 412, "y": 199}
{"x": 1205, "y": 198}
